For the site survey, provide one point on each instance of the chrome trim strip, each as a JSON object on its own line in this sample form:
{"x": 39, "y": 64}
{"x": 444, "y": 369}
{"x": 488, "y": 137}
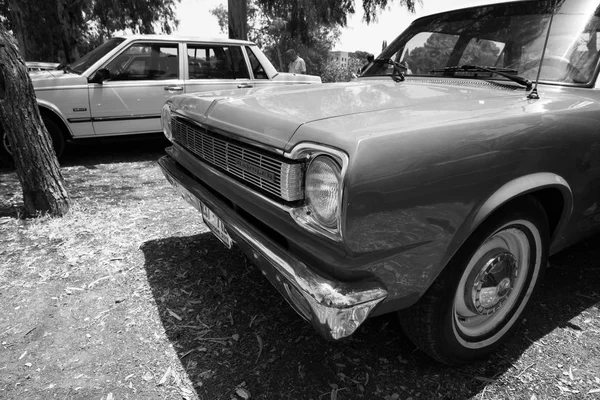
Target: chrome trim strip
{"x": 126, "y": 117}
{"x": 78, "y": 120}
{"x": 73, "y": 87}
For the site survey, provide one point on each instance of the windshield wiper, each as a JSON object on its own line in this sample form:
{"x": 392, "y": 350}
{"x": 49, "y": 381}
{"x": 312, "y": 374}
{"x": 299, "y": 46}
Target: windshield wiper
{"x": 505, "y": 72}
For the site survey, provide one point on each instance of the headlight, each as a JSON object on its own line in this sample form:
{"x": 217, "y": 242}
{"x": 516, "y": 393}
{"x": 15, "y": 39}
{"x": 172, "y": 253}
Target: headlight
{"x": 165, "y": 120}
{"x": 323, "y": 185}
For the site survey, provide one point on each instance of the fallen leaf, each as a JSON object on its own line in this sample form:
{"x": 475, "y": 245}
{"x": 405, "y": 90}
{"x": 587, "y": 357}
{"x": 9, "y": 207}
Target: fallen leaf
{"x": 235, "y": 337}
{"x": 334, "y": 393}
{"x": 243, "y": 393}
{"x": 260, "y": 348}
{"x": 174, "y": 315}
{"x": 165, "y": 377}
{"x": 147, "y": 376}
{"x": 484, "y": 379}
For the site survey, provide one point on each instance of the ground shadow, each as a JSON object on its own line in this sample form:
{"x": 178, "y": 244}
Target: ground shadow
{"x": 112, "y": 171}
{"x": 115, "y": 150}
{"x": 231, "y": 329}
{"x": 89, "y": 152}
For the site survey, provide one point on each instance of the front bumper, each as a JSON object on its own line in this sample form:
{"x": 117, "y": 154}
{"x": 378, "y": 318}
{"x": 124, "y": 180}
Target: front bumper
{"x": 335, "y": 309}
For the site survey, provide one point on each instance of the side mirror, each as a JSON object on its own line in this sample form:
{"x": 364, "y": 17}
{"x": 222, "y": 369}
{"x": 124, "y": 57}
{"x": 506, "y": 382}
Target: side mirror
{"x": 100, "y": 76}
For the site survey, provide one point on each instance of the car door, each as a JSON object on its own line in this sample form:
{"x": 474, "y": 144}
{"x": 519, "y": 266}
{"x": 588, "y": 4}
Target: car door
{"x": 141, "y": 78}
{"x": 212, "y": 66}
{"x": 259, "y": 73}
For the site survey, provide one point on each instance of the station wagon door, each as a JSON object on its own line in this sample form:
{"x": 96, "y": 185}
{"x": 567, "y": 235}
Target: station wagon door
{"x": 142, "y": 77}
{"x": 215, "y": 67}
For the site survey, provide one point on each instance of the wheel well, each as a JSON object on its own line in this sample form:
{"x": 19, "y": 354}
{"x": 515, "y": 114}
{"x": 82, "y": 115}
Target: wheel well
{"x": 49, "y": 114}
{"x": 553, "y": 202}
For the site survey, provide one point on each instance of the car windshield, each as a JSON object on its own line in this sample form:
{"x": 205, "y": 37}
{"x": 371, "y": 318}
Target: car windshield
{"x": 507, "y": 37}
{"x": 90, "y": 58}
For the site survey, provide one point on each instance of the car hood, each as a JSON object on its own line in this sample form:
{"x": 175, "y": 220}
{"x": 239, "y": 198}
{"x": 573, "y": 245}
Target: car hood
{"x": 44, "y": 79}
{"x": 344, "y": 111}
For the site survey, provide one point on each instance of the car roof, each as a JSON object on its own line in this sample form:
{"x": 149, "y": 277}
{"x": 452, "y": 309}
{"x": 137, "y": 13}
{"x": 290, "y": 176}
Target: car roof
{"x": 185, "y": 39}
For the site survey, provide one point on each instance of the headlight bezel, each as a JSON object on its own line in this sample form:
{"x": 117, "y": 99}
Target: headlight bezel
{"x": 303, "y": 214}
{"x": 317, "y": 211}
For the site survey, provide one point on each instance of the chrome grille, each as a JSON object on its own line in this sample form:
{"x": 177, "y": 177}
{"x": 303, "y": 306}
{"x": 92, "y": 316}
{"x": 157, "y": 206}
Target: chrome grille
{"x": 274, "y": 175}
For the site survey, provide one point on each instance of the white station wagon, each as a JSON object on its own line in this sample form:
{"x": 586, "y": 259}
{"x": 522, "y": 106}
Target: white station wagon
{"x": 120, "y": 87}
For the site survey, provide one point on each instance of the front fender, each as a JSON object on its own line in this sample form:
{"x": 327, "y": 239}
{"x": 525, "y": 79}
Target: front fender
{"x": 52, "y": 108}
{"x": 510, "y": 191}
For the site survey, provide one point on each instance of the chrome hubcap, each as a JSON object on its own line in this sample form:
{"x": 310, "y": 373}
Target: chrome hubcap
{"x": 490, "y": 286}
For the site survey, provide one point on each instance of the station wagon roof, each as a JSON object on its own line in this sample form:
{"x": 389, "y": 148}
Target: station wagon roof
{"x": 185, "y": 39}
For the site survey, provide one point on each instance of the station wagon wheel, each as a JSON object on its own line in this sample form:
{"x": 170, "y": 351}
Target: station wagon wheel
{"x": 5, "y": 157}
{"x": 57, "y": 136}
{"x": 55, "y": 132}
{"x": 478, "y": 300}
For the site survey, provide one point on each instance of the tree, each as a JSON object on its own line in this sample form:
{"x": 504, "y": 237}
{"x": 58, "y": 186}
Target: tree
{"x": 302, "y": 15}
{"x": 311, "y": 27}
{"x": 37, "y": 167}
{"x": 65, "y": 28}
{"x": 272, "y": 33}
{"x": 237, "y": 10}
{"x": 334, "y": 71}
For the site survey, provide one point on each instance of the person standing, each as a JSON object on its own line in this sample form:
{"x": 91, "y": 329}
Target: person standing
{"x": 370, "y": 58}
{"x": 296, "y": 63}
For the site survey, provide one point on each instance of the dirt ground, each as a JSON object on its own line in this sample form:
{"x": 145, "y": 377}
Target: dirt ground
{"x": 130, "y": 297}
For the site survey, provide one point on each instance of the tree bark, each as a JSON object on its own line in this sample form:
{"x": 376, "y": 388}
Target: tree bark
{"x": 35, "y": 161}
{"x": 237, "y": 14}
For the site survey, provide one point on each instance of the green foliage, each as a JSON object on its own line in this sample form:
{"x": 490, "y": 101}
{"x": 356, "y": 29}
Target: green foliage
{"x": 437, "y": 49}
{"x": 360, "y": 55}
{"x": 335, "y": 72}
{"x": 60, "y": 30}
{"x": 273, "y": 33}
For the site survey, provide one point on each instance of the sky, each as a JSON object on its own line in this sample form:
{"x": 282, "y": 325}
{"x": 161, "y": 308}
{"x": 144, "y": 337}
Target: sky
{"x": 196, "y": 20}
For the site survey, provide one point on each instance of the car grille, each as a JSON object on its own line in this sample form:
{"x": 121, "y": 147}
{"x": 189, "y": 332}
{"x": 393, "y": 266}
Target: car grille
{"x": 271, "y": 174}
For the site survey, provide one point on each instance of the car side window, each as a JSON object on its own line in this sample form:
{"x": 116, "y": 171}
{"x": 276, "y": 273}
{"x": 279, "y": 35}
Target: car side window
{"x": 257, "y": 68}
{"x": 146, "y": 61}
{"x": 216, "y": 62}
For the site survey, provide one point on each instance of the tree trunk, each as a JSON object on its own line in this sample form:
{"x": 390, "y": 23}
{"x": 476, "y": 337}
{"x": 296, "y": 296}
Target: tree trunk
{"x": 236, "y": 13}
{"x": 37, "y": 167}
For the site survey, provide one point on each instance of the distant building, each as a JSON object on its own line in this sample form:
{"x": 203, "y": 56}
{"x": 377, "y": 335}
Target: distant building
{"x": 340, "y": 57}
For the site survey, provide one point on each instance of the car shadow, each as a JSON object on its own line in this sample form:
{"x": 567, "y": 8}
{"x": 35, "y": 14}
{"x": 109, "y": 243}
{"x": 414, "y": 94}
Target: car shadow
{"x": 114, "y": 150}
{"x": 108, "y": 170}
{"x": 232, "y": 329}
{"x": 90, "y": 152}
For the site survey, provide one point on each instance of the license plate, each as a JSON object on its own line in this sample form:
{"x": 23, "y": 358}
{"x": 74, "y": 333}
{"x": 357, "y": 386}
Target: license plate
{"x": 216, "y": 225}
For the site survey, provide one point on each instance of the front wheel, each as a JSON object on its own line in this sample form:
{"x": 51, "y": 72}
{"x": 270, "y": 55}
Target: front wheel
{"x": 478, "y": 300}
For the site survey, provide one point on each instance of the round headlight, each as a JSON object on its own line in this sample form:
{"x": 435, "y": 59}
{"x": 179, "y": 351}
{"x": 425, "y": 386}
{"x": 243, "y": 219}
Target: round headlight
{"x": 165, "y": 119}
{"x": 323, "y": 190}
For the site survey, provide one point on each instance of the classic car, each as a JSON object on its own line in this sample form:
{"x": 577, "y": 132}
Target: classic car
{"x": 434, "y": 186}
{"x": 119, "y": 87}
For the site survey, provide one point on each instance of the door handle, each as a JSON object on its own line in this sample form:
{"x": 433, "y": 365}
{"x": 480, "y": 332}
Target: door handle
{"x": 174, "y": 88}
{"x": 244, "y": 86}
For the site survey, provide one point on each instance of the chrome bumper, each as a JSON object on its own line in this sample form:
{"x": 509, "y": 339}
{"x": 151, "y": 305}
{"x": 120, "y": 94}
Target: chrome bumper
{"x": 335, "y": 309}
